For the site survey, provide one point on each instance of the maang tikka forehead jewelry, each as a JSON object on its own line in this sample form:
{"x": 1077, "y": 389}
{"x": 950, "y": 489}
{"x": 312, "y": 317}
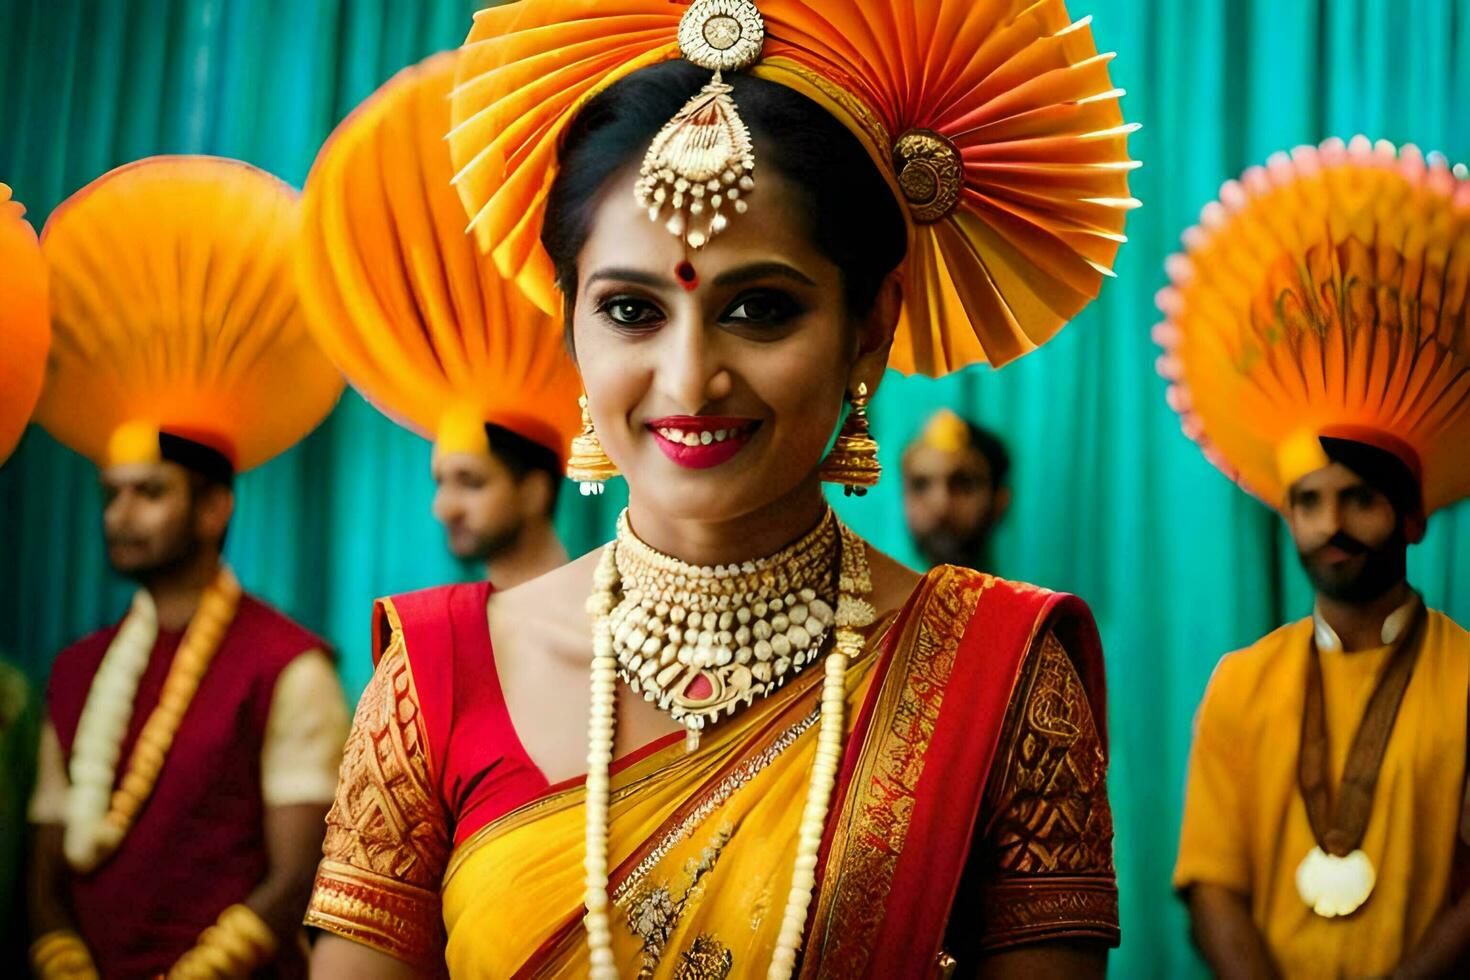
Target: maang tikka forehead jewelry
{"x": 703, "y": 158}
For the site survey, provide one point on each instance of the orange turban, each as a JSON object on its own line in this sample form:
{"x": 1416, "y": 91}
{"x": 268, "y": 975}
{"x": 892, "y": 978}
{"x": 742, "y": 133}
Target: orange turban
{"x": 994, "y": 121}
{"x": 401, "y": 298}
{"x": 24, "y": 321}
{"x": 174, "y": 311}
{"x": 1325, "y": 295}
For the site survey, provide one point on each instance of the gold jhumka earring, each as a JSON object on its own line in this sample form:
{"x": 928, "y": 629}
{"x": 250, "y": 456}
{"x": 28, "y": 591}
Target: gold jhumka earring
{"x": 588, "y": 463}
{"x": 853, "y": 461}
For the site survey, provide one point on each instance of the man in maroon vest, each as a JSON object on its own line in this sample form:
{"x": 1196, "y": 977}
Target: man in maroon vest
{"x": 190, "y": 751}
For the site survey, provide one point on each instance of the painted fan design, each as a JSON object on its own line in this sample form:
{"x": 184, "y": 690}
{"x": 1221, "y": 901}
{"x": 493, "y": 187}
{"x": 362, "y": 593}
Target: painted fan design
{"x": 1325, "y": 294}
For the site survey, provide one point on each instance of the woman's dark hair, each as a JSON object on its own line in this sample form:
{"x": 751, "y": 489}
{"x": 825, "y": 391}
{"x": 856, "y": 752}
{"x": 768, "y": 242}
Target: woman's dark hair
{"x": 852, "y": 215}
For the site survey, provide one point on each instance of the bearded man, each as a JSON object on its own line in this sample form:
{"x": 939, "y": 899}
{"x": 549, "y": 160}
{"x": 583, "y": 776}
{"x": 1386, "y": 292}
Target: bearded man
{"x": 189, "y": 752}
{"x": 1317, "y": 360}
{"x": 956, "y": 489}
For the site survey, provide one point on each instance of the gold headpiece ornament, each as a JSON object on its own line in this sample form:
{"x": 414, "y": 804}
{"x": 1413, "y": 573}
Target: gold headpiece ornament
{"x": 994, "y": 122}
{"x": 174, "y": 311}
{"x": 1325, "y": 294}
{"x": 704, "y": 156}
{"x": 400, "y": 297}
{"x": 25, "y": 321}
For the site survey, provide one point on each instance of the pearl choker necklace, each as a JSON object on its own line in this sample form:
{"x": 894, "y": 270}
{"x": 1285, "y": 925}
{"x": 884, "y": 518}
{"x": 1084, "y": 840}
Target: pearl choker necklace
{"x": 705, "y": 640}
{"x": 786, "y": 577}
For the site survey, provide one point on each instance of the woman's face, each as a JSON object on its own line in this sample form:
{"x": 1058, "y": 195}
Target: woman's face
{"x": 716, "y": 397}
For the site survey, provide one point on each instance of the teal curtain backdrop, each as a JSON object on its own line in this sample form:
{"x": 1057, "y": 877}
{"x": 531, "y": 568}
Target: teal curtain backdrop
{"x": 1111, "y": 501}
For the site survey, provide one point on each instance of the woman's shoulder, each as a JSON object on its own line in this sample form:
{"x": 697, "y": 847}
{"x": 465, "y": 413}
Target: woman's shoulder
{"x": 983, "y": 591}
{"x": 432, "y": 622}
{"x": 547, "y": 615}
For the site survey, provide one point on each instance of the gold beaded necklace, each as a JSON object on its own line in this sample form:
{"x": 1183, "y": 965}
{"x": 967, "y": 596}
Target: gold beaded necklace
{"x": 786, "y": 577}
{"x": 700, "y": 641}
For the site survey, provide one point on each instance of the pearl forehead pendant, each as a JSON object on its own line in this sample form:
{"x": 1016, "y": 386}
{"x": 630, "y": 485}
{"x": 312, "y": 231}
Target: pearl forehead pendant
{"x": 703, "y": 158}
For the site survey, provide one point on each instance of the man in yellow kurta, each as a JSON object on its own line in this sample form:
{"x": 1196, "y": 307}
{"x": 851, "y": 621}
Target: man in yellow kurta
{"x": 1320, "y": 360}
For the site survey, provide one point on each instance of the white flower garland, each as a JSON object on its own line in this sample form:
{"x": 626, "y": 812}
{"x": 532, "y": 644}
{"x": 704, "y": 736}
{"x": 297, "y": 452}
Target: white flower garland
{"x": 98, "y": 816}
{"x": 100, "y": 731}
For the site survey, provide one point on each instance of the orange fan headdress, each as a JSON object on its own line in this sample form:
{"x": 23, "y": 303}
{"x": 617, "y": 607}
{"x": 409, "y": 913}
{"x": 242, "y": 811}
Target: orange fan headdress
{"x": 401, "y": 297}
{"x": 994, "y": 121}
{"x": 175, "y": 317}
{"x": 25, "y": 324}
{"x": 1324, "y": 295}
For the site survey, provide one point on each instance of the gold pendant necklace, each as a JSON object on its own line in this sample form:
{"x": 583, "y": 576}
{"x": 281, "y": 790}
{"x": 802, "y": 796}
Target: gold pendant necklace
{"x": 1337, "y": 876}
{"x": 702, "y": 641}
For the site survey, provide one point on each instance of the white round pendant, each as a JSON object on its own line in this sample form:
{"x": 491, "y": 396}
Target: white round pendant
{"x": 1335, "y": 886}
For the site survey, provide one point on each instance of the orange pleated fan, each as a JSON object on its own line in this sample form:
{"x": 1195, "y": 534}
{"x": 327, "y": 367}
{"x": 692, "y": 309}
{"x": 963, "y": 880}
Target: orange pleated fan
{"x": 994, "y": 120}
{"x": 25, "y": 324}
{"x": 174, "y": 309}
{"x": 1325, "y": 294}
{"x": 398, "y": 293}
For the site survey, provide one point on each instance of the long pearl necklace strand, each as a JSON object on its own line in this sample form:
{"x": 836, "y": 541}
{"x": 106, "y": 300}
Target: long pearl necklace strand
{"x": 786, "y": 580}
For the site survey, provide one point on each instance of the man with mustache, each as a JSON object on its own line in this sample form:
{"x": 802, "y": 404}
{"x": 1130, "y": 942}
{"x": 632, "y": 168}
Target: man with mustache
{"x": 189, "y": 753}
{"x": 955, "y": 491}
{"x": 1319, "y": 359}
{"x": 403, "y": 301}
{"x": 496, "y": 501}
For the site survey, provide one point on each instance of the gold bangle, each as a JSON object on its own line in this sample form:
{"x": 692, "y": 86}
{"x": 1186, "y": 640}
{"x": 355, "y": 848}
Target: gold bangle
{"x": 61, "y": 955}
{"x": 237, "y": 943}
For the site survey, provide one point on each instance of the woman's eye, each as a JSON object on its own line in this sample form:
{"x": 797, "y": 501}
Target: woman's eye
{"x": 763, "y": 308}
{"x": 628, "y": 312}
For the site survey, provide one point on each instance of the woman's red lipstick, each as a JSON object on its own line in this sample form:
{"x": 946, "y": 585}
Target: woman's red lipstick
{"x": 698, "y": 442}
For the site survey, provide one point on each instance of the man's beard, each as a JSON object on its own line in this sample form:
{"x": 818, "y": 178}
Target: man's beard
{"x": 942, "y": 546}
{"x": 1382, "y": 568}
{"x": 494, "y": 544}
{"x": 176, "y": 554}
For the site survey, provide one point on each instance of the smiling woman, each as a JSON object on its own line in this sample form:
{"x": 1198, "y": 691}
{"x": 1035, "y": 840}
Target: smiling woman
{"x": 879, "y": 774}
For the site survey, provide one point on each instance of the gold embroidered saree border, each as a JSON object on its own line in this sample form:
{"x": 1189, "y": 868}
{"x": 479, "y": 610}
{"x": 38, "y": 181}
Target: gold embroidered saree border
{"x": 742, "y": 773}
{"x": 869, "y": 831}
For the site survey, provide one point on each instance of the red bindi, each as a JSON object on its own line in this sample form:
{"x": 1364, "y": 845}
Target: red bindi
{"x": 688, "y": 278}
